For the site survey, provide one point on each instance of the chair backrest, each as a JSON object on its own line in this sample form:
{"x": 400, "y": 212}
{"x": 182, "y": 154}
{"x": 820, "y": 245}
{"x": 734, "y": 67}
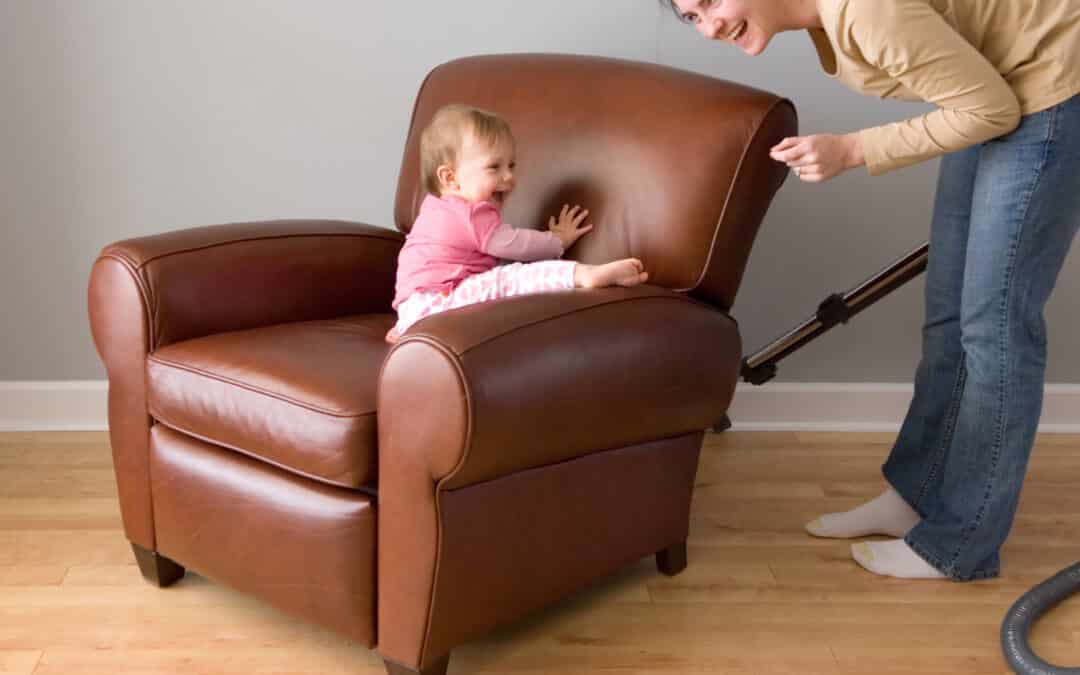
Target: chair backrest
{"x": 673, "y": 166}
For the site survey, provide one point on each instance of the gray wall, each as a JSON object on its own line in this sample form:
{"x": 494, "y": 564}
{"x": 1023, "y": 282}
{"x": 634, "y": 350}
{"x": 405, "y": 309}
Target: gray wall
{"x": 129, "y": 117}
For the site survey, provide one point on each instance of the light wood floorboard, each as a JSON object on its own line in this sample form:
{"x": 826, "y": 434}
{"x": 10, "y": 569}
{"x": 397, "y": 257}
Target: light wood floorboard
{"x": 759, "y": 597}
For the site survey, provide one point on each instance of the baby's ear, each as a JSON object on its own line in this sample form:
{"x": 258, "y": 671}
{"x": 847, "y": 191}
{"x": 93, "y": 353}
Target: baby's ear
{"x": 445, "y": 174}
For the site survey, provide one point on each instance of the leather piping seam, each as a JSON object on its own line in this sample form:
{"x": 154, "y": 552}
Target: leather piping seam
{"x": 731, "y": 189}
{"x": 673, "y": 436}
{"x": 246, "y": 240}
{"x": 144, "y": 291}
{"x": 371, "y": 492}
{"x": 148, "y": 325}
{"x": 606, "y": 303}
{"x": 139, "y": 268}
{"x": 258, "y": 390}
{"x": 455, "y": 362}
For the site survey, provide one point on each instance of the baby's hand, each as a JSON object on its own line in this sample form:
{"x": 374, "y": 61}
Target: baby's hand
{"x": 567, "y": 227}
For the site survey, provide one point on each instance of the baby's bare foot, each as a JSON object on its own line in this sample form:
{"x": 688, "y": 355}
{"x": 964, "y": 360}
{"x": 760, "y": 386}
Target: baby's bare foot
{"x": 625, "y": 272}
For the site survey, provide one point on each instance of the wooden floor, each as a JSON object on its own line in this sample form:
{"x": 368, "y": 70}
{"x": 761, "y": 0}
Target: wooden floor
{"x": 760, "y": 596}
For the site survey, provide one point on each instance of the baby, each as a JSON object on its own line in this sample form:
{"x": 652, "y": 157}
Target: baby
{"x": 451, "y": 257}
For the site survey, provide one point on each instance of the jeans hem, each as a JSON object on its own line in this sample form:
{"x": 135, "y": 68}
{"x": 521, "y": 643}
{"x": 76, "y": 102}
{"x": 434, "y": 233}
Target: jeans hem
{"x": 949, "y": 570}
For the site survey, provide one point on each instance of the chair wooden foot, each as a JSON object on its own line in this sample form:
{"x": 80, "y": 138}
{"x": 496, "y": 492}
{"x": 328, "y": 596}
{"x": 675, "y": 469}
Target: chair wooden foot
{"x": 437, "y": 668}
{"x": 672, "y": 559}
{"x": 156, "y": 568}
{"x": 722, "y": 424}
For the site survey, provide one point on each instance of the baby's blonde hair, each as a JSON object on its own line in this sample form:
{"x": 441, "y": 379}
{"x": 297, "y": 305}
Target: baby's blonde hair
{"x": 445, "y": 135}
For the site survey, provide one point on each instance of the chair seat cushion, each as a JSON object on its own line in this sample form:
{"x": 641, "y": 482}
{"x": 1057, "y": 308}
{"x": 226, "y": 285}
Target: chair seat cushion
{"x": 300, "y": 396}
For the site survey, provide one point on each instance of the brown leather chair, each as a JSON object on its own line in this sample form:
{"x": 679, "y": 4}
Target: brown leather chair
{"x": 500, "y": 456}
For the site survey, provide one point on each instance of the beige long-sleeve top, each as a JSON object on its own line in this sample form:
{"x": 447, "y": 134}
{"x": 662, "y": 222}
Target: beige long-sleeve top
{"x": 982, "y": 63}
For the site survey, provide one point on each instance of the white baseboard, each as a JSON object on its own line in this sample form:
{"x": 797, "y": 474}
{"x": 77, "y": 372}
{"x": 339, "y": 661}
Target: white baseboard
{"x": 856, "y": 406}
{"x": 54, "y": 406}
{"x": 817, "y": 406}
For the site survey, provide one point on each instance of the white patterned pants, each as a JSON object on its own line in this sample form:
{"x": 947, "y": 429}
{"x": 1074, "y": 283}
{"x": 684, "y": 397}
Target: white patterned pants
{"x": 504, "y": 281}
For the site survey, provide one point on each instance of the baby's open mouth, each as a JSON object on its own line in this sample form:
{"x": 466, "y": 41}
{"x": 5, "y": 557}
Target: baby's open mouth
{"x": 739, "y": 31}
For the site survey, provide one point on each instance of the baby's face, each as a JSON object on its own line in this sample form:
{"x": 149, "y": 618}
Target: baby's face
{"x": 484, "y": 173}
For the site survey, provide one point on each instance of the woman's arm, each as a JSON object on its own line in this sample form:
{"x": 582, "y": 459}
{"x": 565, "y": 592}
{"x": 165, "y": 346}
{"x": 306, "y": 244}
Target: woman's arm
{"x": 914, "y": 44}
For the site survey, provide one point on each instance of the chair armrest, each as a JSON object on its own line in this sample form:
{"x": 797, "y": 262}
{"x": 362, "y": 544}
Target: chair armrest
{"x": 220, "y": 278}
{"x": 149, "y": 292}
{"x": 496, "y": 388}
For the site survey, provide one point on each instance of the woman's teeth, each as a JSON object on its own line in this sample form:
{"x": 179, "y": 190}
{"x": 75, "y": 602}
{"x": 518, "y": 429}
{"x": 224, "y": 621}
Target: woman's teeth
{"x": 738, "y": 32}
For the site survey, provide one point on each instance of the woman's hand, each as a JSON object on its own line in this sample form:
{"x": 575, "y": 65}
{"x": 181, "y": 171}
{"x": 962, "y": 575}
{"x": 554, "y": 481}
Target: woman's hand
{"x": 567, "y": 227}
{"x": 816, "y": 159}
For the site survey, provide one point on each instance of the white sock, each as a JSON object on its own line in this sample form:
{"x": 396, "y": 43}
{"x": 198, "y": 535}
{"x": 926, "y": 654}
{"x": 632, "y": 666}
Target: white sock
{"x": 893, "y": 559}
{"x": 887, "y": 513}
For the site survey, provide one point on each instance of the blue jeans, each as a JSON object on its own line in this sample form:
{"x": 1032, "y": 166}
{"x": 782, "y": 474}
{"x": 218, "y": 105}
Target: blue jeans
{"x": 1005, "y": 215}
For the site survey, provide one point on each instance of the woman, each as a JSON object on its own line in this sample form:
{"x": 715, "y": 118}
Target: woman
{"x": 1004, "y": 76}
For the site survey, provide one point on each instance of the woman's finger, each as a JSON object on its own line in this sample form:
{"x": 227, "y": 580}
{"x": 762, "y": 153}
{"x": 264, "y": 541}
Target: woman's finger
{"x": 790, "y": 154}
{"x": 813, "y": 173}
{"x": 786, "y": 143}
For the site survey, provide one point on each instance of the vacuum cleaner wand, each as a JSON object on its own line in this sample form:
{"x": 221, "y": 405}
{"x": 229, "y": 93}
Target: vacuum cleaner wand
{"x": 760, "y": 367}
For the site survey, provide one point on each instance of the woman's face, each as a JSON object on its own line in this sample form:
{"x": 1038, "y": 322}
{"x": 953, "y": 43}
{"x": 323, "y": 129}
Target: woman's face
{"x": 747, "y": 24}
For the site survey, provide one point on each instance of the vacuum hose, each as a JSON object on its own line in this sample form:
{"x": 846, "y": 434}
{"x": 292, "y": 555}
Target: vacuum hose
{"x": 1024, "y": 612}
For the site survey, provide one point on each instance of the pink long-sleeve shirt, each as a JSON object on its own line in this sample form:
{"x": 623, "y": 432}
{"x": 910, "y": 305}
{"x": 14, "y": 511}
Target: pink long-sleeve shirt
{"x": 453, "y": 239}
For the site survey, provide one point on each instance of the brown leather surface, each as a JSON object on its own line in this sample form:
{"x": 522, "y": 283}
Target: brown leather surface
{"x": 488, "y": 391}
{"x": 120, "y": 326}
{"x": 514, "y": 544}
{"x": 672, "y": 165}
{"x": 147, "y": 292}
{"x": 559, "y": 375}
{"x": 215, "y": 279}
{"x": 299, "y": 395}
{"x": 303, "y": 547}
{"x": 425, "y": 414}
{"x": 517, "y": 440}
